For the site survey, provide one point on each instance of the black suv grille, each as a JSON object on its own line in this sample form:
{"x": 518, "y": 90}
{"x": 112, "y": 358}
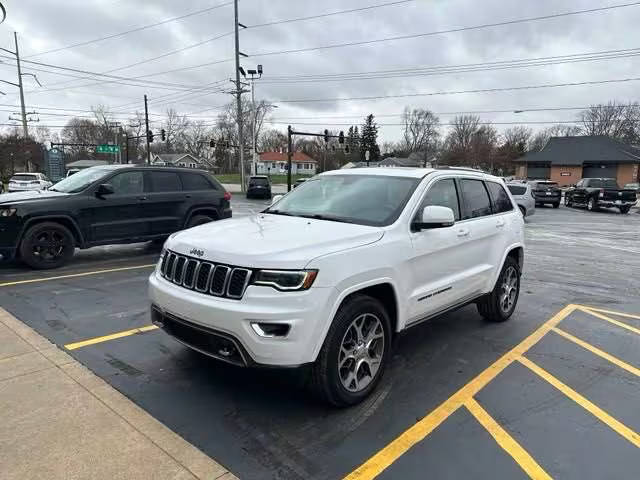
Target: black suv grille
{"x": 205, "y": 277}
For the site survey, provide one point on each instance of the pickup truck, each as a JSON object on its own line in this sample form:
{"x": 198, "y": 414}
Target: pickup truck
{"x": 544, "y": 191}
{"x": 594, "y": 193}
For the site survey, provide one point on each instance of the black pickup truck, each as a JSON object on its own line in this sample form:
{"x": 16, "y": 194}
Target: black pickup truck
{"x": 545, "y": 191}
{"x": 594, "y": 193}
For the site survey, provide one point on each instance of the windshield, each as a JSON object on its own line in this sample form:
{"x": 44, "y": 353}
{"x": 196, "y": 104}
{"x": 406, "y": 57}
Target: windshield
{"x": 374, "y": 200}
{"x": 80, "y": 180}
{"x": 24, "y": 178}
{"x": 603, "y": 183}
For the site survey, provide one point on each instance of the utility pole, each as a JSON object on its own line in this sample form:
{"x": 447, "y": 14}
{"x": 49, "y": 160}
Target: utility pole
{"x": 254, "y": 161}
{"x": 289, "y": 155}
{"x": 146, "y": 122}
{"x": 25, "y": 129}
{"x": 239, "y": 96}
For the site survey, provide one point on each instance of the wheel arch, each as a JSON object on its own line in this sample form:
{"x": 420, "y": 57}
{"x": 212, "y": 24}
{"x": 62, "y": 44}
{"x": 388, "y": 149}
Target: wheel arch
{"x": 515, "y": 251}
{"x": 63, "y": 220}
{"x": 382, "y": 289}
{"x": 210, "y": 211}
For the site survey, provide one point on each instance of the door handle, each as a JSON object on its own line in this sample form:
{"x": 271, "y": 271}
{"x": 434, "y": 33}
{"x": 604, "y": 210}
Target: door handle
{"x": 142, "y": 198}
{"x": 500, "y": 223}
{"x": 463, "y": 232}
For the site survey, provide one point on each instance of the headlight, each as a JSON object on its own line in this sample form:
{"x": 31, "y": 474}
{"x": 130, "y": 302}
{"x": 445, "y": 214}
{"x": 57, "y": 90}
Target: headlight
{"x": 7, "y": 212}
{"x": 286, "y": 279}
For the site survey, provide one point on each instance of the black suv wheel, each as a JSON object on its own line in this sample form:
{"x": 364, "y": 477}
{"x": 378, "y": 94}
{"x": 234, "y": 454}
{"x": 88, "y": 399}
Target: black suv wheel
{"x": 355, "y": 352}
{"x": 47, "y": 245}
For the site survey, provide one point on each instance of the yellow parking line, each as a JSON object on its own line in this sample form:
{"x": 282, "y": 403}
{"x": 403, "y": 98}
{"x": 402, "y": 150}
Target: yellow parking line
{"x": 106, "y": 338}
{"x": 506, "y": 441}
{"x": 597, "y": 351}
{"x": 611, "y": 320}
{"x": 73, "y": 275}
{"x": 596, "y": 411}
{"x": 611, "y": 312}
{"x": 389, "y": 454}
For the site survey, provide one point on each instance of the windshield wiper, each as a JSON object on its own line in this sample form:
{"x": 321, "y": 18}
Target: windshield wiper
{"x": 279, "y": 212}
{"x": 318, "y": 216}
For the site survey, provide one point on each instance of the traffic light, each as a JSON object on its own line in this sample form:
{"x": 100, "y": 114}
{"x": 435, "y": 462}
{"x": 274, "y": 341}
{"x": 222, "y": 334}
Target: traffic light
{"x": 163, "y": 135}
{"x": 341, "y": 137}
{"x": 150, "y": 136}
{"x": 326, "y": 136}
{"x": 212, "y": 143}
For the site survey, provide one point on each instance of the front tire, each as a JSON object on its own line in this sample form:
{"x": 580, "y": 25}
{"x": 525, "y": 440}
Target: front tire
{"x": 567, "y": 201}
{"x": 498, "y": 306}
{"x": 198, "y": 220}
{"x": 556, "y": 205}
{"x": 592, "y": 205}
{"x": 625, "y": 210}
{"x": 47, "y": 245}
{"x": 522, "y": 211}
{"x": 355, "y": 352}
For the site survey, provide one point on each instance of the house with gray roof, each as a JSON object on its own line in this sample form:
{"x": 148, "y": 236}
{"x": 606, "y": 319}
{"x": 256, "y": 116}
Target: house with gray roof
{"x": 176, "y": 160}
{"x": 566, "y": 160}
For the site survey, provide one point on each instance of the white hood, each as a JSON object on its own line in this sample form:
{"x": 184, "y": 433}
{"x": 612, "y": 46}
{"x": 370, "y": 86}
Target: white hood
{"x": 270, "y": 241}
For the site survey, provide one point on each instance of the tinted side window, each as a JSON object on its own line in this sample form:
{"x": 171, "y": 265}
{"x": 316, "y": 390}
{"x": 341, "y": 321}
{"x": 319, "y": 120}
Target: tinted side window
{"x": 195, "y": 181}
{"x": 127, "y": 183}
{"x": 166, "y": 182}
{"x": 500, "y": 198}
{"x": 476, "y": 198}
{"x": 517, "y": 189}
{"x": 443, "y": 193}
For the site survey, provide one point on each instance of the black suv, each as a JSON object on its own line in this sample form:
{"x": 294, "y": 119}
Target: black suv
{"x": 105, "y": 205}
{"x": 259, "y": 186}
{"x": 544, "y": 191}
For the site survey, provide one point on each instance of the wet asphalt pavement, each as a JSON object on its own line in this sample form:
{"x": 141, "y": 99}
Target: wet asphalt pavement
{"x": 262, "y": 424}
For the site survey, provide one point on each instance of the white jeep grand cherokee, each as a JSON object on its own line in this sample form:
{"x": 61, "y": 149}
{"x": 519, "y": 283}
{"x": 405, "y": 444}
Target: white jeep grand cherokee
{"x": 334, "y": 270}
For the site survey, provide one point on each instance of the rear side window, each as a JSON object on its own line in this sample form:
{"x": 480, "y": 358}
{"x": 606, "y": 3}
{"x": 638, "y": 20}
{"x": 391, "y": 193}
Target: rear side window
{"x": 500, "y": 198}
{"x": 195, "y": 181}
{"x": 517, "y": 189}
{"x": 443, "y": 193}
{"x": 165, "y": 182}
{"x": 476, "y": 199}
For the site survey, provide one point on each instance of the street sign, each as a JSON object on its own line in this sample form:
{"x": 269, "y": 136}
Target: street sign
{"x": 107, "y": 148}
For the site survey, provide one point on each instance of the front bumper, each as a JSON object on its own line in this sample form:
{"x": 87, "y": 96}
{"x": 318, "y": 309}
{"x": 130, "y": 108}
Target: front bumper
{"x": 307, "y": 313}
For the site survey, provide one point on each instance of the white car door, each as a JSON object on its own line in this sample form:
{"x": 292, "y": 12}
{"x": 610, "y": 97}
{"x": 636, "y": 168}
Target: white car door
{"x": 485, "y": 231}
{"x": 440, "y": 260}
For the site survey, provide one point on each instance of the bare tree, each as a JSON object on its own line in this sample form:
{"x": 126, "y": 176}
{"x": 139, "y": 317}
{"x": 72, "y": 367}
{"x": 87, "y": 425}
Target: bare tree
{"x": 272, "y": 141}
{"x": 421, "y": 131}
{"x": 540, "y": 139}
{"x": 175, "y": 126}
{"x": 613, "y": 120}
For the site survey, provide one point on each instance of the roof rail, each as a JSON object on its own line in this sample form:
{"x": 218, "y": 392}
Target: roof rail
{"x": 451, "y": 167}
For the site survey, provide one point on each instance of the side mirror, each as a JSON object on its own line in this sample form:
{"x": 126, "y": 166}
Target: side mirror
{"x": 433, "y": 216}
{"x": 276, "y": 199}
{"x": 104, "y": 189}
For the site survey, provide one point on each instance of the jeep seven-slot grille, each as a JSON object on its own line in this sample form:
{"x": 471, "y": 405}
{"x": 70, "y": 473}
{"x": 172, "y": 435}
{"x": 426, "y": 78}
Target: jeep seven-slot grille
{"x": 205, "y": 277}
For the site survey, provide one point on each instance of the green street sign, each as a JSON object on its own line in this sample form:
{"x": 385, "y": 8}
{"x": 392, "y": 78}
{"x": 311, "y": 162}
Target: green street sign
{"x": 108, "y": 149}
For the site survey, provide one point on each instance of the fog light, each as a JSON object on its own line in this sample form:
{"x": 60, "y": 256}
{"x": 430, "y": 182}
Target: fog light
{"x": 271, "y": 330}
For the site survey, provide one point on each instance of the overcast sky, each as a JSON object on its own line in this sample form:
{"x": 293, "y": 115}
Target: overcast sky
{"x": 44, "y": 25}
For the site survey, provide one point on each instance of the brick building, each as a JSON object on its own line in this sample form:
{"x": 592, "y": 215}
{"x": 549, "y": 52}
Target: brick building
{"x": 568, "y": 159}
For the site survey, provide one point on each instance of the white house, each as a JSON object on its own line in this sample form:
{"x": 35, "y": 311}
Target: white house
{"x": 176, "y": 160}
{"x": 275, "y": 163}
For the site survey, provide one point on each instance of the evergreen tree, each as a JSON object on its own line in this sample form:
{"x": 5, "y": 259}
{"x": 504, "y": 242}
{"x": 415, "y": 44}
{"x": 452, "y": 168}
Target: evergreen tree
{"x": 353, "y": 141}
{"x": 369, "y": 140}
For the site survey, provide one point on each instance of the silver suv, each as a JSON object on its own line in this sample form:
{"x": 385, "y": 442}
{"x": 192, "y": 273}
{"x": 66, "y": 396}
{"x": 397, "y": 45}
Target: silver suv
{"x": 523, "y": 195}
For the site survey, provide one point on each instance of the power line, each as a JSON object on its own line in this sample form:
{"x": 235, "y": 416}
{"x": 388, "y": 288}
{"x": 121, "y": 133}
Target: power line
{"x": 456, "y": 92}
{"x": 452, "y": 30}
{"x": 138, "y": 29}
{"x": 323, "y": 15}
{"x": 455, "y": 69}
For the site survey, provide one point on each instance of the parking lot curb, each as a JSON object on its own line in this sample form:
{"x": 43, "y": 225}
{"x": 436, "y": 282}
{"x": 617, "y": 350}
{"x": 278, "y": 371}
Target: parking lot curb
{"x": 190, "y": 458}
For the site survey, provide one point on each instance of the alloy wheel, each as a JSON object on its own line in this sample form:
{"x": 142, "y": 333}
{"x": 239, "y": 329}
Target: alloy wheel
{"x": 49, "y": 245}
{"x": 509, "y": 289}
{"x": 361, "y": 352}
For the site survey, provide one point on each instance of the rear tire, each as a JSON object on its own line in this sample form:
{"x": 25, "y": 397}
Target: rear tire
{"x": 625, "y": 210}
{"x": 556, "y": 205}
{"x": 354, "y": 354}
{"x": 567, "y": 201}
{"x": 198, "y": 220}
{"x": 498, "y": 306}
{"x": 47, "y": 245}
